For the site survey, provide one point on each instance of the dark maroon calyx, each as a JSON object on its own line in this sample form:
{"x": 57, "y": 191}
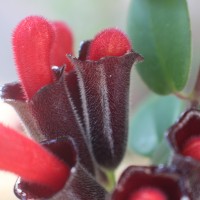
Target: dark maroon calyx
{"x": 84, "y": 50}
{"x": 186, "y": 128}
{"x": 52, "y": 113}
{"x": 157, "y": 183}
{"x": 183, "y": 137}
{"x": 65, "y": 150}
{"x": 104, "y": 88}
{"x": 12, "y": 91}
{"x": 81, "y": 185}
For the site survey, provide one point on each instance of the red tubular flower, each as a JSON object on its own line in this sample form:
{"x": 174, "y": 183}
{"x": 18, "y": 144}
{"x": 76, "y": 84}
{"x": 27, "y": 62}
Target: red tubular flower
{"x": 183, "y": 137}
{"x": 88, "y": 104}
{"x": 80, "y": 184}
{"x": 38, "y": 45}
{"x": 32, "y": 41}
{"x": 28, "y": 159}
{"x": 110, "y": 42}
{"x": 53, "y": 116}
{"x": 104, "y": 88}
{"x": 152, "y": 183}
{"x": 192, "y": 148}
{"x": 148, "y": 193}
{"x": 62, "y": 46}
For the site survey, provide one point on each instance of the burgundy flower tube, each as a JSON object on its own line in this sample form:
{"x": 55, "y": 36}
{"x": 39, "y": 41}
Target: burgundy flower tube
{"x": 80, "y": 109}
{"x": 152, "y": 183}
{"x": 104, "y": 88}
{"x": 90, "y": 103}
{"x": 80, "y": 184}
{"x": 183, "y": 137}
{"x": 46, "y": 109}
{"x": 50, "y": 114}
{"x": 31, "y": 161}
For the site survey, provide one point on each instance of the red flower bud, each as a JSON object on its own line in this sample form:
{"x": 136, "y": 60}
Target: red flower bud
{"x": 184, "y": 138}
{"x": 80, "y": 185}
{"x": 192, "y": 148}
{"x": 104, "y": 87}
{"x": 104, "y": 90}
{"x": 62, "y": 46}
{"x": 110, "y": 42}
{"x": 148, "y": 194}
{"x": 150, "y": 183}
{"x": 31, "y": 161}
{"x": 32, "y": 42}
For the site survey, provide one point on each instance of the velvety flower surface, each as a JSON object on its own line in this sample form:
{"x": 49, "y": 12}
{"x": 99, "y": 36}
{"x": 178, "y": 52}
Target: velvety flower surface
{"x": 151, "y": 183}
{"x": 183, "y": 137}
{"x": 77, "y": 110}
{"x": 31, "y": 161}
{"x": 80, "y": 185}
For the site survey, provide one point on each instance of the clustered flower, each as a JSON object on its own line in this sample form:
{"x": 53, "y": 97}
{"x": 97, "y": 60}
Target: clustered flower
{"x": 76, "y": 112}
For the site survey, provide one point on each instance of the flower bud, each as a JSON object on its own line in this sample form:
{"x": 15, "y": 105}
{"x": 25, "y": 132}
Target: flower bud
{"x": 152, "y": 183}
{"x": 109, "y": 42}
{"x": 104, "y": 90}
{"x": 183, "y": 137}
{"x": 32, "y": 42}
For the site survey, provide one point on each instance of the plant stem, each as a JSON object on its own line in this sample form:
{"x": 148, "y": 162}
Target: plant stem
{"x": 111, "y": 180}
{"x": 183, "y": 96}
{"x": 194, "y": 97}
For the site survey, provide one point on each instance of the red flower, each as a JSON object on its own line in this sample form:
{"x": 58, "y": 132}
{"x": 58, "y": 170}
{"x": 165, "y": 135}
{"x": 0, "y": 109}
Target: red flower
{"x": 37, "y": 46}
{"x": 183, "y": 137}
{"x": 77, "y": 111}
{"x": 150, "y": 183}
{"x": 31, "y": 161}
{"x": 80, "y": 105}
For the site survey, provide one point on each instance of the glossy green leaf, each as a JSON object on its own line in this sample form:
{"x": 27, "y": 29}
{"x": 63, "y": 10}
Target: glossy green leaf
{"x": 149, "y": 123}
{"x": 160, "y": 31}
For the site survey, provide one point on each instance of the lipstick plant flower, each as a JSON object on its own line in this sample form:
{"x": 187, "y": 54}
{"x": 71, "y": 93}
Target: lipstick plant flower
{"x": 75, "y": 110}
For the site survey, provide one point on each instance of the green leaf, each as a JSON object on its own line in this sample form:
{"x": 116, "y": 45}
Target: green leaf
{"x": 160, "y": 31}
{"x": 149, "y": 123}
{"x": 162, "y": 153}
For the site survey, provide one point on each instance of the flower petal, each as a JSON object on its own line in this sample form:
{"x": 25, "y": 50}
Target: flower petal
{"x": 32, "y": 42}
{"x": 162, "y": 179}
{"x": 104, "y": 88}
{"x": 63, "y": 45}
{"x": 80, "y": 185}
{"x": 28, "y": 159}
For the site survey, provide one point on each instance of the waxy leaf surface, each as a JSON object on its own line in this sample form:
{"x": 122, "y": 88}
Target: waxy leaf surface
{"x": 160, "y": 31}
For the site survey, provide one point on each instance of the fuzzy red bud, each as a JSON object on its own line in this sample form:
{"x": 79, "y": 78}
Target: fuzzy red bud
{"x": 148, "y": 194}
{"x": 109, "y": 42}
{"x": 31, "y": 161}
{"x": 32, "y": 42}
{"x": 62, "y": 46}
{"x": 192, "y": 148}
